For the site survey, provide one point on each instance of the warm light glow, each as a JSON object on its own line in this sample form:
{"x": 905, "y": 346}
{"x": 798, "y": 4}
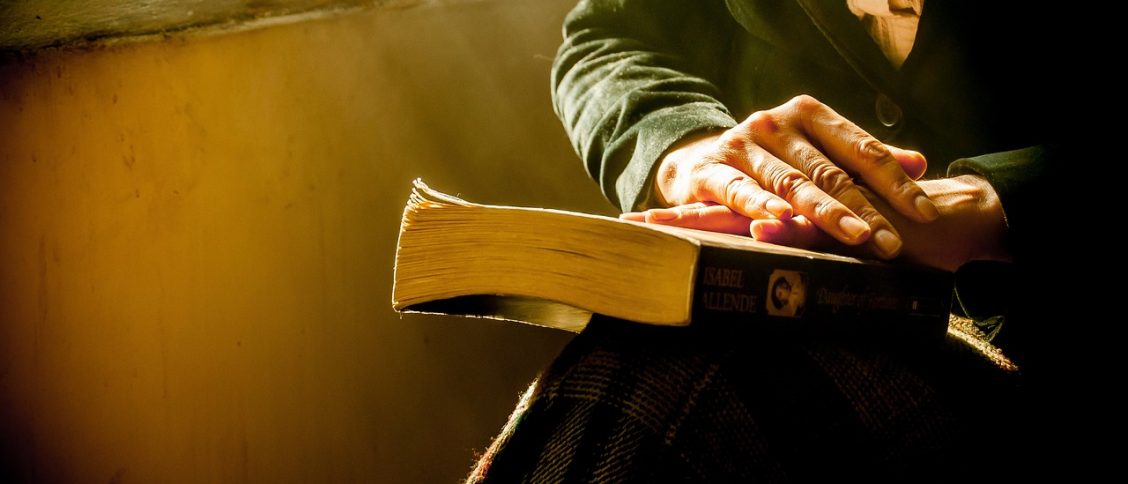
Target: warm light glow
{"x": 196, "y": 237}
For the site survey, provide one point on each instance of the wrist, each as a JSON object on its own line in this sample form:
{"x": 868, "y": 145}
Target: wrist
{"x": 671, "y": 180}
{"x": 987, "y": 219}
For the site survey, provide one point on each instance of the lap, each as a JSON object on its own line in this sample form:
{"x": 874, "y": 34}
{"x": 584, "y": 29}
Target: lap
{"x": 627, "y": 402}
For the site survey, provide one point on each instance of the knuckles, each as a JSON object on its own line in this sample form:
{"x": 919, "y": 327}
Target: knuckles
{"x": 869, "y": 148}
{"x": 826, "y": 208}
{"x": 871, "y": 216}
{"x": 737, "y": 192}
{"x": 831, "y": 179}
{"x": 785, "y": 183}
{"x": 761, "y": 123}
{"x": 804, "y": 103}
{"x": 735, "y": 142}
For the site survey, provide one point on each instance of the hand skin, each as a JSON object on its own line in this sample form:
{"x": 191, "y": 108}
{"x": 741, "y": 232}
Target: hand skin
{"x": 797, "y": 160}
{"x": 970, "y": 225}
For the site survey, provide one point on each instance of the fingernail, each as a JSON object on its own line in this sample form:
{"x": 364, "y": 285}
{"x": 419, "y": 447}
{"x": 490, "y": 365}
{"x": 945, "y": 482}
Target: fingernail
{"x": 762, "y": 228}
{"x": 632, "y": 216}
{"x": 779, "y": 208}
{"x": 663, "y": 214}
{"x": 887, "y": 242}
{"x": 926, "y": 208}
{"x": 854, "y": 227}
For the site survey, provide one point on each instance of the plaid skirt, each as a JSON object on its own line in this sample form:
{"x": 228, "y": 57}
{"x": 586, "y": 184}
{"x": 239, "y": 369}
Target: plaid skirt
{"x": 626, "y": 402}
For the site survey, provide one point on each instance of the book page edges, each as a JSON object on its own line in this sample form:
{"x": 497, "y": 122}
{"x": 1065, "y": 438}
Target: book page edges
{"x": 422, "y": 196}
{"x": 423, "y": 193}
{"x": 533, "y": 309}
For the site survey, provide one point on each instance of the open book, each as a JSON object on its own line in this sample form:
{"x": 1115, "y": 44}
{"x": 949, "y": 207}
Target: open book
{"x": 556, "y": 268}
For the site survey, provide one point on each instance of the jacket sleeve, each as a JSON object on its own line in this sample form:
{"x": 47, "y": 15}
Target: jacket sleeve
{"x": 1020, "y": 177}
{"x": 632, "y": 78}
{"x": 1023, "y": 180}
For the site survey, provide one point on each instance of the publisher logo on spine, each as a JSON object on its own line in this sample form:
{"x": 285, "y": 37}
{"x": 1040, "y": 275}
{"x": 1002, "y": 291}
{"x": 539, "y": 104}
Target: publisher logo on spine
{"x": 787, "y": 293}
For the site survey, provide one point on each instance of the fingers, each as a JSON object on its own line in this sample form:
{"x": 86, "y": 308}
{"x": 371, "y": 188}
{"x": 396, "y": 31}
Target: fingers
{"x": 871, "y": 160}
{"x": 802, "y": 233}
{"x": 795, "y": 160}
{"x": 805, "y": 197}
{"x": 885, "y": 242}
{"x": 912, "y": 162}
{"x": 729, "y": 185}
{"x": 797, "y": 232}
{"x": 833, "y": 181}
{"x": 701, "y": 216}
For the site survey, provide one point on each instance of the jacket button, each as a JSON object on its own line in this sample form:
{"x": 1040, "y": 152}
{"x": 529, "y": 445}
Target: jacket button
{"x": 888, "y": 112}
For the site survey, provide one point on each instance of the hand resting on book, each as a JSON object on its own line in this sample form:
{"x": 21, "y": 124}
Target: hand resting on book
{"x": 970, "y": 225}
{"x": 797, "y": 159}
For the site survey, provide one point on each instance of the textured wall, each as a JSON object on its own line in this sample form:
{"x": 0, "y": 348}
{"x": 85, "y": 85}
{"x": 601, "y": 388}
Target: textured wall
{"x": 196, "y": 238}
{"x": 35, "y": 23}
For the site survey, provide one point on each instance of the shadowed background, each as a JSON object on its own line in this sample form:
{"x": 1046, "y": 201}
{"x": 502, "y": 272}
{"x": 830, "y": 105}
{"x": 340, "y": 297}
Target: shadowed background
{"x": 197, "y": 233}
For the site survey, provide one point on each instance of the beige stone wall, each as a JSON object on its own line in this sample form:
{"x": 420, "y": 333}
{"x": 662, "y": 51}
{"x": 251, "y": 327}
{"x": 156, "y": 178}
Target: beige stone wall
{"x": 196, "y": 238}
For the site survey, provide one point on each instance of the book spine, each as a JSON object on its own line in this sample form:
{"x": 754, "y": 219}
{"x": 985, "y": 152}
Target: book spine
{"x": 825, "y": 297}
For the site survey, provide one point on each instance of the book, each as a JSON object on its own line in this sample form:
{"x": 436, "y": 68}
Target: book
{"x": 557, "y": 268}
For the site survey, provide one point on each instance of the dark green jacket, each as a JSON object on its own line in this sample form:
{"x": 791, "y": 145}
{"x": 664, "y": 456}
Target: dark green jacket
{"x": 634, "y": 76}
{"x": 978, "y": 93}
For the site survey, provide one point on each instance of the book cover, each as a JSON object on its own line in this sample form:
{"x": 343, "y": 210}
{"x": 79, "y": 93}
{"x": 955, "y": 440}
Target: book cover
{"x": 456, "y": 257}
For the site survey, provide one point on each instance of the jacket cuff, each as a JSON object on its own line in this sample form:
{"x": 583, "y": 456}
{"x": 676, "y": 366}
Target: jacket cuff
{"x": 986, "y": 290}
{"x": 1018, "y": 177}
{"x": 655, "y": 134}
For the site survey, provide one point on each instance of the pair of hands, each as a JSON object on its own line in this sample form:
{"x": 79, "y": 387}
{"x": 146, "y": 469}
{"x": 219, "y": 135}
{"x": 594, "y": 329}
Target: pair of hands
{"x": 787, "y": 176}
